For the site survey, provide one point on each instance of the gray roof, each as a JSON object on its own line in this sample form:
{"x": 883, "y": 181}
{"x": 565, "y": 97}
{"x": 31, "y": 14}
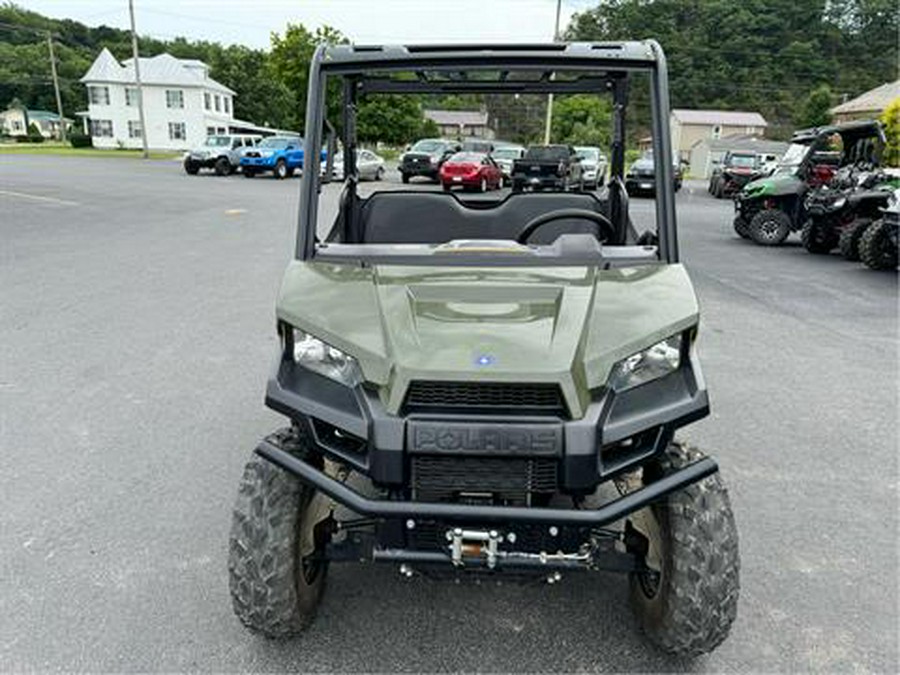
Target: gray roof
{"x": 725, "y": 118}
{"x": 737, "y": 143}
{"x": 162, "y": 69}
{"x": 470, "y": 118}
{"x": 874, "y": 101}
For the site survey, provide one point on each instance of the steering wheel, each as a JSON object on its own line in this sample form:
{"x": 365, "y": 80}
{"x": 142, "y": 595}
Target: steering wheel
{"x": 607, "y": 231}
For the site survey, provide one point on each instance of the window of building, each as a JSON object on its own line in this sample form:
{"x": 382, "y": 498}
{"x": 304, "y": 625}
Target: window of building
{"x": 102, "y": 128}
{"x": 226, "y": 104}
{"x": 218, "y": 103}
{"x": 210, "y": 131}
{"x": 134, "y": 129}
{"x": 177, "y": 131}
{"x": 98, "y": 95}
{"x": 223, "y": 130}
{"x": 206, "y": 102}
{"x": 17, "y": 125}
{"x": 174, "y": 98}
{"x": 717, "y": 131}
{"x": 131, "y": 96}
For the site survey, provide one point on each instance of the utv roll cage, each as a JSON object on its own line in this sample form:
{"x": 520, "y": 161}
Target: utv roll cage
{"x": 451, "y": 69}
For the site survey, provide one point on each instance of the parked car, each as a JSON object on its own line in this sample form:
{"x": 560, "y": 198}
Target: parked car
{"x": 425, "y": 158}
{"x": 641, "y": 176}
{"x": 369, "y": 166}
{"x": 736, "y": 170}
{"x": 770, "y": 208}
{"x": 282, "y": 155}
{"x": 593, "y": 166}
{"x": 472, "y": 170}
{"x": 221, "y": 152}
{"x": 547, "y": 166}
{"x": 504, "y": 156}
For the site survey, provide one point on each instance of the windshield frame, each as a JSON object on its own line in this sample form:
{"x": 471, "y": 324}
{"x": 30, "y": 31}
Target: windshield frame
{"x": 599, "y": 68}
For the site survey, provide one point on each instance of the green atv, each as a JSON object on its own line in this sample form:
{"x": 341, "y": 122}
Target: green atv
{"x": 489, "y": 384}
{"x": 769, "y": 209}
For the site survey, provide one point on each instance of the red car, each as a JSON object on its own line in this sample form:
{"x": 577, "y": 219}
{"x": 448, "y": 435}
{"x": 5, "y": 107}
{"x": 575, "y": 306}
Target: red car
{"x": 471, "y": 170}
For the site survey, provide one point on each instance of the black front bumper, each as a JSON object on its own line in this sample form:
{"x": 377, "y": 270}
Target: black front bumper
{"x": 619, "y": 430}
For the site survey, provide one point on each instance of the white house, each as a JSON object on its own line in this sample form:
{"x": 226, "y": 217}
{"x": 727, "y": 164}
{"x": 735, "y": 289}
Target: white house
{"x": 182, "y": 104}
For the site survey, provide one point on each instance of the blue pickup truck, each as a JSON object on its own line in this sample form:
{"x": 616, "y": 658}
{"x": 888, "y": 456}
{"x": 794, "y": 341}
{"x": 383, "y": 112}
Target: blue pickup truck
{"x": 282, "y": 155}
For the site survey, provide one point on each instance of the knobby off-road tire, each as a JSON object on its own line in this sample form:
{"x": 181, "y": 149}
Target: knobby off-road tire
{"x": 222, "y": 166}
{"x": 191, "y": 168}
{"x": 742, "y": 227}
{"x": 876, "y": 249}
{"x": 848, "y": 243}
{"x": 818, "y": 237}
{"x": 770, "y": 227}
{"x": 688, "y": 609}
{"x": 274, "y": 591}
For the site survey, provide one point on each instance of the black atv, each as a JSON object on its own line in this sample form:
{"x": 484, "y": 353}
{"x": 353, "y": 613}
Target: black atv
{"x": 878, "y": 243}
{"x": 841, "y": 211}
{"x": 769, "y": 209}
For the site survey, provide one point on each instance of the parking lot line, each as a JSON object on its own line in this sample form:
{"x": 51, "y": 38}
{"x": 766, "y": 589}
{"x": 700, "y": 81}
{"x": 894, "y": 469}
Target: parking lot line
{"x": 39, "y": 198}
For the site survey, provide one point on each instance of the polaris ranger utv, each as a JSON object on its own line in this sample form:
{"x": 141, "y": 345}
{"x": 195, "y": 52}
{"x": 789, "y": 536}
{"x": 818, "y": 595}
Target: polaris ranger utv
{"x": 769, "y": 209}
{"x": 480, "y": 385}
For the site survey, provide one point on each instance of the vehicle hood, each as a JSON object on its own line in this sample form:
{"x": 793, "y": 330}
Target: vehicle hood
{"x": 568, "y": 325}
{"x": 778, "y": 184}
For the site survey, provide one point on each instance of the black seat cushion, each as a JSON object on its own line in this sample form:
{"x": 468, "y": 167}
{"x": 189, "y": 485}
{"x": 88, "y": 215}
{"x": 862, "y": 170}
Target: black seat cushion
{"x": 400, "y": 217}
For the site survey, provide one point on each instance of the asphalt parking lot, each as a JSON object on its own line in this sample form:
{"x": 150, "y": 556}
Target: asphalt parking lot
{"x": 137, "y": 333}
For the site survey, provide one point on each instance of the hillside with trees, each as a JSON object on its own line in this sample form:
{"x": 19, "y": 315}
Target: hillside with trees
{"x": 789, "y": 59}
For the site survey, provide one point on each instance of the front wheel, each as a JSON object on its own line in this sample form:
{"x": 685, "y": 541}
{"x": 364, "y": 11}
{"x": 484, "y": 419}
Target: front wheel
{"x": 817, "y": 236}
{"x": 483, "y": 186}
{"x": 877, "y": 248}
{"x": 741, "y": 226}
{"x": 379, "y": 174}
{"x": 222, "y": 166}
{"x": 191, "y": 168}
{"x": 248, "y": 172}
{"x": 686, "y": 599}
{"x": 276, "y": 571}
{"x": 770, "y": 227}
{"x": 281, "y": 170}
{"x": 850, "y": 236}
{"x": 404, "y": 177}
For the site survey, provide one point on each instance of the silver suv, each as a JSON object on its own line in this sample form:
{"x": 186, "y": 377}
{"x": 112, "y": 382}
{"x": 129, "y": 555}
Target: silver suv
{"x": 221, "y": 152}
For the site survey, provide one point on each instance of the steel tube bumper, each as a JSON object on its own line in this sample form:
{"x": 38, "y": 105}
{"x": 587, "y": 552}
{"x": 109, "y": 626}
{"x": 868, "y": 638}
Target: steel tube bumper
{"x": 378, "y": 508}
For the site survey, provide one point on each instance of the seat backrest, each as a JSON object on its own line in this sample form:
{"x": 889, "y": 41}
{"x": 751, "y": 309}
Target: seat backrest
{"x": 401, "y": 217}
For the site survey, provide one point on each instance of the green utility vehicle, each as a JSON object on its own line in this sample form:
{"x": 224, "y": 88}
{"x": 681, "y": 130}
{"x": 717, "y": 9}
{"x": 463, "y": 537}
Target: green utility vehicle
{"x": 487, "y": 384}
{"x": 770, "y": 208}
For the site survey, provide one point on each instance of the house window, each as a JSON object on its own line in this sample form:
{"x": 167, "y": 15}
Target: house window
{"x": 717, "y": 131}
{"x": 206, "y": 102}
{"x": 134, "y": 129}
{"x": 223, "y": 130}
{"x": 218, "y": 103}
{"x": 17, "y": 125}
{"x": 131, "y": 96}
{"x": 98, "y": 95}
{"x": 210, "y": 131}
{"x": 177, "y": 131}
{"x": 174, "y": 98}
{"x": 226, "y": 103}
{"x": 102, "y": 128}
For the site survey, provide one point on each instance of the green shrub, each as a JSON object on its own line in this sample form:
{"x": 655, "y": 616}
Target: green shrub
{"x": 34, "y": 134}
{"x": 890, "y": 118}
{"x": 81, "y": 140}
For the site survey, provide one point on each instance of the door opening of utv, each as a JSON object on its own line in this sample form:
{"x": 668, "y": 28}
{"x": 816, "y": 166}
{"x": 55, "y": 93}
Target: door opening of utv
{"x": 601, "y": 68}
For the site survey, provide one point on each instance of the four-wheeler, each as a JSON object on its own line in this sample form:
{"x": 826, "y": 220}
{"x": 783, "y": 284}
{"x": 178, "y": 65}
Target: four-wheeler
{"x": 593, "y": 166}
{"x": 878, "y": 244}
{"x": 487, "y": 386}
{"x": 425, "y": 158}
{"x": 471, "y": 170}
{"x": 770, "y": 208}
{"x": 221, "y": 152}
{"x": 282, "y": 155}
{"x": 839, "y": 212}
{"x": 736, "y": 170}
{"x": 554, "y": 167}
{"x": 504, "y": 156}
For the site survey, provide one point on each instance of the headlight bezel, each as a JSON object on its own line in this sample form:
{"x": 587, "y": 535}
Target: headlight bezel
{"x": 650, "y": 364}
{"x": 313, "y": 353}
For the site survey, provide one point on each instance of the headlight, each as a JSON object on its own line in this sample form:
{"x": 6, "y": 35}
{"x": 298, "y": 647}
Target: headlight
{"x": 320, "y": 357}
{"x": 839, "y": 203}
{"x": 650, "y": 364}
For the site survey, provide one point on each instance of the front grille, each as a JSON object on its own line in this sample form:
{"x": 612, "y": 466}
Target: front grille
{"x": 487, "y": 397}
{"x": 498, "y": 480}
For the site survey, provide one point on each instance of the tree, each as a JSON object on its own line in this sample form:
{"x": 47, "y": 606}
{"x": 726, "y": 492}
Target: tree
{"x": 582, "y": 119}
{"x": 890, "y": 118}
{"x": 814, "y": 111}
{"x": 393, "y": 119}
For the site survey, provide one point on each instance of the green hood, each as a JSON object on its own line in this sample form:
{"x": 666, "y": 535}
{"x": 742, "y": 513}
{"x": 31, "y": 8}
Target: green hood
{"x": 556, "y": 324}
{"x": 772, "y": 186}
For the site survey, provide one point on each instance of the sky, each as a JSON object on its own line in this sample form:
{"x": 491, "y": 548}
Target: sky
{"x": 250, "y": 22}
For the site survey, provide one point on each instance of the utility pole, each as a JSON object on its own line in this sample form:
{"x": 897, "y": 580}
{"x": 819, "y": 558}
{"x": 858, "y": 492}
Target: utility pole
{"x": 549, "y": 121}
{"x": 137, "y": 79}
{"x": 59, "y": 109}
